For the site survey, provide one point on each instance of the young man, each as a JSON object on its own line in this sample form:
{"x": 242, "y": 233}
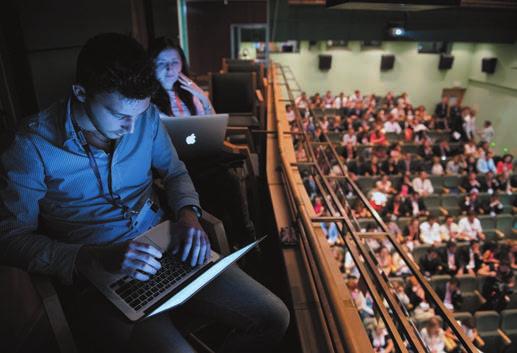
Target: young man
{"x": 76, "y": 185}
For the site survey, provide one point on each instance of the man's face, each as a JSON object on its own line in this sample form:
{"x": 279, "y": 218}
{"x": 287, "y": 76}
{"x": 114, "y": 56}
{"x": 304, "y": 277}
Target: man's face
{"x": 113, "y": 114}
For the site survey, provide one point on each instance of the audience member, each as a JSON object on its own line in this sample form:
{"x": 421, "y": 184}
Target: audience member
{"x": 472, "y": 203}
{"x": 416, "y": 205}
{"x": 486, "y": 164}
{"x": 437, "y": 167}
{"x": 430, "y": 232}
{"x": 470, "y": 227}
{"x": 451, "y": 258}
{"x": 381, "y": 340}
{"x": 449, "y": 230}
{"x": 434, "y": 336}
{"x": 494, "y": 206}
{"x": 422, "y": 185}
{"x": 487, "y": 134}
{"x": 451, "y": 294}
{"x": 505, "y": 165}
{"x": 431, "y": 263}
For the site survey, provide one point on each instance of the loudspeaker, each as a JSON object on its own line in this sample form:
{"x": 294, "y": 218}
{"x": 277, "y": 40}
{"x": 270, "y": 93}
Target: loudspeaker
{"x": 325, "y": 62}
{"x": 445, "y": 62}
{"x": 387, "y": 62}
{"x": 488, "y": 65}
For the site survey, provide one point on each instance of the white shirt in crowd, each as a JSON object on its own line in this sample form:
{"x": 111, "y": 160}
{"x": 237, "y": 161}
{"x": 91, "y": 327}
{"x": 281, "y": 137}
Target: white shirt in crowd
{"x": 430, "y": 234}
{"x": 392, "y": 126}
{"x": 448, "y": 231}
{"x": 349, "y": 139}
{"x": 301, "y": 103}
{"x": 340, "y": 103}
{"x": 471, "y": 230}
{"x": 435, "y": 343}
{"x": 422, "y": 186}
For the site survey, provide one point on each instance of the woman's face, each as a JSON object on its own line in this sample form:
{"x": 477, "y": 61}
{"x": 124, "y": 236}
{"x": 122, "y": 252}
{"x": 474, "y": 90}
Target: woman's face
{"x": 168, "y": 67}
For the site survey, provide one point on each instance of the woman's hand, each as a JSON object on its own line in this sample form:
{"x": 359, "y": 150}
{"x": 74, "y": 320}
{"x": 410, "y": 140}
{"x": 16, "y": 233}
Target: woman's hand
{"x": 188, "y": 85}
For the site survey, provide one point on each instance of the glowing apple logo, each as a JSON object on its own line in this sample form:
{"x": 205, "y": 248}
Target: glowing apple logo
{"x": 191, "y": 139}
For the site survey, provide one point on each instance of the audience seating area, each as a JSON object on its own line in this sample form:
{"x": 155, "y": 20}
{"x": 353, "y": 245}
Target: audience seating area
{"x": 468, "y": 182}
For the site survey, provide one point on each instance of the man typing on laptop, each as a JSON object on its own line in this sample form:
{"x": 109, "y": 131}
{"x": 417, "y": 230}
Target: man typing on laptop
{"x": 76, "y": 188}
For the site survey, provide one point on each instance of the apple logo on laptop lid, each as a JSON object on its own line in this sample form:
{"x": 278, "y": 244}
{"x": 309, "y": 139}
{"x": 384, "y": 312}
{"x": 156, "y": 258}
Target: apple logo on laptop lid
{"x": 191, "y": 139}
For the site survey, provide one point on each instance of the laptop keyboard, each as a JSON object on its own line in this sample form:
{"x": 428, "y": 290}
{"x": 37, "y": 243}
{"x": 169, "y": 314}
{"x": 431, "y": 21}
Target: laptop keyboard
{"x": 138, "y": 293}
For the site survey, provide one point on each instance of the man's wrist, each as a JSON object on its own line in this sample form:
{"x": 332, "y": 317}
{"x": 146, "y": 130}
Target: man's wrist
{"x": 190, "y": 210}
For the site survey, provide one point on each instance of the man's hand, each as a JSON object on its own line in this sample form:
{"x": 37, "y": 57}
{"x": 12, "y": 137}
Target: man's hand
{"x": 136, "y": 259}
{"x": 189, "y": 239}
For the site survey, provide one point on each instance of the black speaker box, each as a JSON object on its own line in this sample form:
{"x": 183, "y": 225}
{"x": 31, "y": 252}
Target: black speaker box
{"x": 488, "y": 65}
{"x": 387, "y": 62}
{"x": 325, "y": 62}
{"x": 445, "y": 62}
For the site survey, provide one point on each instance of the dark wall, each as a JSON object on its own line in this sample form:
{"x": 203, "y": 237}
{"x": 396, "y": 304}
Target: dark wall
{"x": 164, "y": 19}
{"x": 209, "y": 29}
{"x": 55, "y": 30}
{"x": 319, "y": 23}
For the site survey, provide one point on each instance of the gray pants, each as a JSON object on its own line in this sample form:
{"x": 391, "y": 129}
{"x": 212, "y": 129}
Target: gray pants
{"x": 257, "y": 319}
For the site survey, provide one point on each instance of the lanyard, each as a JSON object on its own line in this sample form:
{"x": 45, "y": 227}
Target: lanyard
{"x": 178, "y": 103}
{"x": 112, "y": 198}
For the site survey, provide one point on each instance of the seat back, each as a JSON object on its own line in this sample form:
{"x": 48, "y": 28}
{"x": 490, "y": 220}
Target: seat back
{"x": 509, "y": 319}
{"x": 471, "y": 302}
{"x": 439, "y": 281}
{"x": 32, "y": 316}
{"x": 468, "y": 283}
{"x": 233, "y": 92}
{"x": 487, "y": 321}
{"x": 257, "y": 68}
{"x": 487, "y": 222}
{"x": 504, "y": 223}
{"x": 462, "y": 316}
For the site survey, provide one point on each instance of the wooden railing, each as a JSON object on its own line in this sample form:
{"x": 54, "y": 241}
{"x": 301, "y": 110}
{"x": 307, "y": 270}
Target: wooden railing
{"x": 325, "y": 315}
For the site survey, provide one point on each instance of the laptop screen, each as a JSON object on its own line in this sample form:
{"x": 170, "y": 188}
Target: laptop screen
{"x": 205, "y": 278}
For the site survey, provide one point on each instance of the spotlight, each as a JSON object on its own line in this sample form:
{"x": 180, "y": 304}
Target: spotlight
{"x": 396, "y": 31}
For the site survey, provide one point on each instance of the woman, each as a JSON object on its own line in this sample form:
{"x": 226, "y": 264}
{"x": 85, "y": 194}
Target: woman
{"x": 433, "y": 336}
{"x": 216, "y": 182}
{"x": 381, "y": 341}
{"x": 178, "y": 95}
{"x": 505, "y": 165}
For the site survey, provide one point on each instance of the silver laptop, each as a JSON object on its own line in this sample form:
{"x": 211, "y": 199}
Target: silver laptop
{"x": 171, "y": 286}
{"x": 197, "y": 136}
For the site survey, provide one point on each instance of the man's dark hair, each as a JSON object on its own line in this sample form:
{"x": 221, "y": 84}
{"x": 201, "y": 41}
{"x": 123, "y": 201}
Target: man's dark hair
{"x": 112, "y": 62}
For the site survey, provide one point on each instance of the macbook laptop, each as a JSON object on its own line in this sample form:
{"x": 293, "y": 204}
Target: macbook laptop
{"x": 197, "y": 136}
{"x": 171, "y": 286}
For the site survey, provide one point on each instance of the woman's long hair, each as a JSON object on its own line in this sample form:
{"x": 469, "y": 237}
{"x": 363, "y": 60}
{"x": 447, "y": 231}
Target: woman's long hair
{"x": 161, "y": 97}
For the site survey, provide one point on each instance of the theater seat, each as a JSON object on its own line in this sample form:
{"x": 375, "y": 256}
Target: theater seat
{"x": 471, "y": 302}
{"x": 488, "y": 328}
{"x": 468, "y": 283}
{"x": 32, "y": 316}
{"x": 235, "y": 93}
{"x": 439, "y": 281}
{"x": 462, "y": 316}
{"x": 509, "y": 327}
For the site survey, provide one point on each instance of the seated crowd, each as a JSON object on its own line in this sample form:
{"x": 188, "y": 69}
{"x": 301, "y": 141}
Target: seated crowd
{"x": 396, "y": 152}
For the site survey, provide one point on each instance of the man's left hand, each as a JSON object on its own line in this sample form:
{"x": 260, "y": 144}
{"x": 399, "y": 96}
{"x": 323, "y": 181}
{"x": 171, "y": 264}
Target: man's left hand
{"x": 189, "y": 239}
